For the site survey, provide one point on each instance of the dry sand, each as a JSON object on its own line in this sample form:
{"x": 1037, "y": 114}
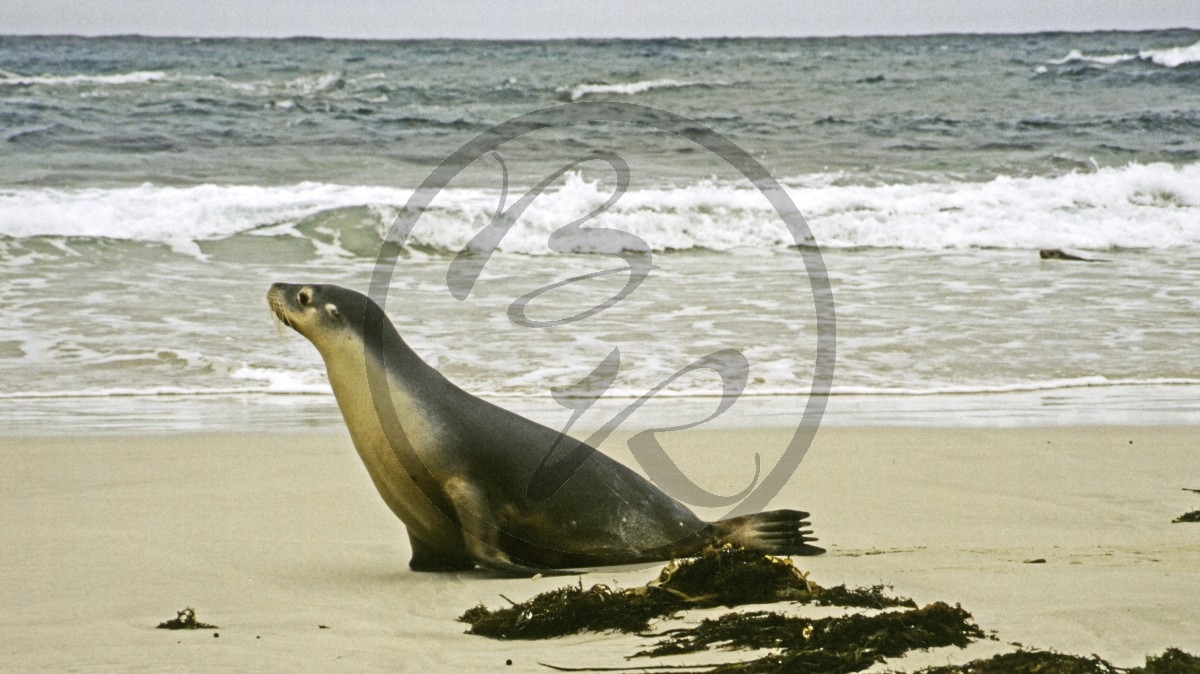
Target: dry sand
{"x": 272, "y": 536}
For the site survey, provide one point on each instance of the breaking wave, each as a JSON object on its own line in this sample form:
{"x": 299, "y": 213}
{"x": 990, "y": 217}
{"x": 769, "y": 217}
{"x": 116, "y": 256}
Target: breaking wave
{"x": 1136, "y": 206}
{"x": 1168, "y": 58}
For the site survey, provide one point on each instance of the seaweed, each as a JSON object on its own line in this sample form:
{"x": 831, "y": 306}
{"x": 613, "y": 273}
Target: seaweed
{"x": 837, "y": 645}
{"x": 757, "y": 629}
{"x": 568, "y": 610}
{"x": 862, "y": 597}
{"x": 732, "y": 576}
{"x": 813, "y": 661}
{"x": 1193, "y": 516}
{"x": 809, "y": 662}
{"x": 185, "y": 620}
{"x": 1031, "y": 662}
{"x": 1172, "y": 661}
{"x": 844, "y": 643}
{"x": 727, "y": 576}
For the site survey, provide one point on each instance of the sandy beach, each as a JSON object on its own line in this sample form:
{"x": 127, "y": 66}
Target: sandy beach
{"x": 1005, "y": 430}
{"x": 272, "y": 536}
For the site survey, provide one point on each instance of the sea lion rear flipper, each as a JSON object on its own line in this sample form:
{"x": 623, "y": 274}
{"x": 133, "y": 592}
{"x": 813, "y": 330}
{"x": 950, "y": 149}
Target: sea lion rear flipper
{"x": 777, "y": 532}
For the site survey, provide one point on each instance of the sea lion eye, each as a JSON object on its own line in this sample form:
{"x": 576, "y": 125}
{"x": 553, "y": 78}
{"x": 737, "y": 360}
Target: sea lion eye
{"x": 332, "y": 309}
{"x": 304, "y": 297}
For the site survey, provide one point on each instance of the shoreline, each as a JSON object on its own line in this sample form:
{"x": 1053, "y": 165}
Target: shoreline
{"x": 1138, "y": 406}
{"x": 270, "y": 535}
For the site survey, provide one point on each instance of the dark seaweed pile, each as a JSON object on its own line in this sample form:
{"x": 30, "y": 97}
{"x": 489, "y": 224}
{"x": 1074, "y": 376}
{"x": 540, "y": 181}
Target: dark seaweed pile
{"x": 839, "y": 644}
{"x": 185, "y": 620}
{"x": 1193, "y": 516}
{"x": 568, "y": 610}
{"x": 719, "y": 577}
{"x": 1172, "y": 661}
{"x": 835, "y": 645}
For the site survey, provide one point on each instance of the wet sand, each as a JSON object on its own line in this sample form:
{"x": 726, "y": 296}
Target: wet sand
{"x": 271, "y": 536}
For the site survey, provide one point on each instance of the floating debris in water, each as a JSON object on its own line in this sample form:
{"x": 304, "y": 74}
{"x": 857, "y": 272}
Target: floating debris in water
{"x": 185, "y": 620}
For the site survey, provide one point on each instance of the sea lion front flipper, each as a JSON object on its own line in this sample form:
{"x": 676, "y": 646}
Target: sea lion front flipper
{"x": 425, "y": 558}
{"x": 481, "y": 531}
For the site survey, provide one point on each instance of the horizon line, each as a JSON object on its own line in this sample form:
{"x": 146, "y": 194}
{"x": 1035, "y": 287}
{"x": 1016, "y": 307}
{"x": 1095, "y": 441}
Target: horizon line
{"x": 301, "y": 36}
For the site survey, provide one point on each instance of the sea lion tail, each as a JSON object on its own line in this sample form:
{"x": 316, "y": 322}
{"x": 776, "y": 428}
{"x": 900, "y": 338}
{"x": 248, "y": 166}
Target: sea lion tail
{"x": 777, "y": 532}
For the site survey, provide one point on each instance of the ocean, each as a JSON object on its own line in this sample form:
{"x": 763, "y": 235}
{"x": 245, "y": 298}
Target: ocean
{"x": 152, "y": 189}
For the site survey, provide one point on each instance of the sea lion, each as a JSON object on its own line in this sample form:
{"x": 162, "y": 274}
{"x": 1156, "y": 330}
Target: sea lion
{"x": 457, "y": 470}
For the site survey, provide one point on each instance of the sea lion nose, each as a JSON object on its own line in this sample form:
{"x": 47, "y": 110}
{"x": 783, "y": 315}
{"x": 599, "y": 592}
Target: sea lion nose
{"x": 279, "y": 291}
{"x": 277, "y": 296}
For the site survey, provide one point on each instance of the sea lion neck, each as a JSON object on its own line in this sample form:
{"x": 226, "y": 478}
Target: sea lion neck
{"x": 375, "y": 339}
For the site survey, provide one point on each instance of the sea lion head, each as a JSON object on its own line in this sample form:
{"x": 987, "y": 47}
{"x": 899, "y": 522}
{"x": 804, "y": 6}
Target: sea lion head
{"x": 325, "y": 314}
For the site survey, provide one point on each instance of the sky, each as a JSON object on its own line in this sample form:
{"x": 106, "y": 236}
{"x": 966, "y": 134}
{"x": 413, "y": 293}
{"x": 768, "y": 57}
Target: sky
{"x": 541, "y": 19}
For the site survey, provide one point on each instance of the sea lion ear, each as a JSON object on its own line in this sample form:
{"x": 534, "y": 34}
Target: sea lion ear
{"x": 332, "y": 310}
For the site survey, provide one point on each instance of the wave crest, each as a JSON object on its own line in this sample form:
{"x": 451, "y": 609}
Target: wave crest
{"x": 1136, "y": 206}
{"x": 1169, "y": 58}
{"x": 626, "y": 88}
{"x": 1174, "y": 57}
{"x": 118, "y": 79}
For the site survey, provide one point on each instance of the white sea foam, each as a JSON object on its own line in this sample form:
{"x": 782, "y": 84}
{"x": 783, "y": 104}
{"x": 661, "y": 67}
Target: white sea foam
{"x": 1173, "y": 57}
{"x": 1169, "y": 58}
{"x": 1021, "y": 387}
{"x": 931, "y": 389}
{"x": 177, "y": 216}
{"x": 1136, "y": 206}
{"x": 283, "y": 381}
{"x": 624, "y": 89}
{"x": 138, "y": 77}
{"x": 315, "y": 83}
{"x": 304, "y": 85}
{"x": 1076, "y": 55}
{"x": 153, "y": 392}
